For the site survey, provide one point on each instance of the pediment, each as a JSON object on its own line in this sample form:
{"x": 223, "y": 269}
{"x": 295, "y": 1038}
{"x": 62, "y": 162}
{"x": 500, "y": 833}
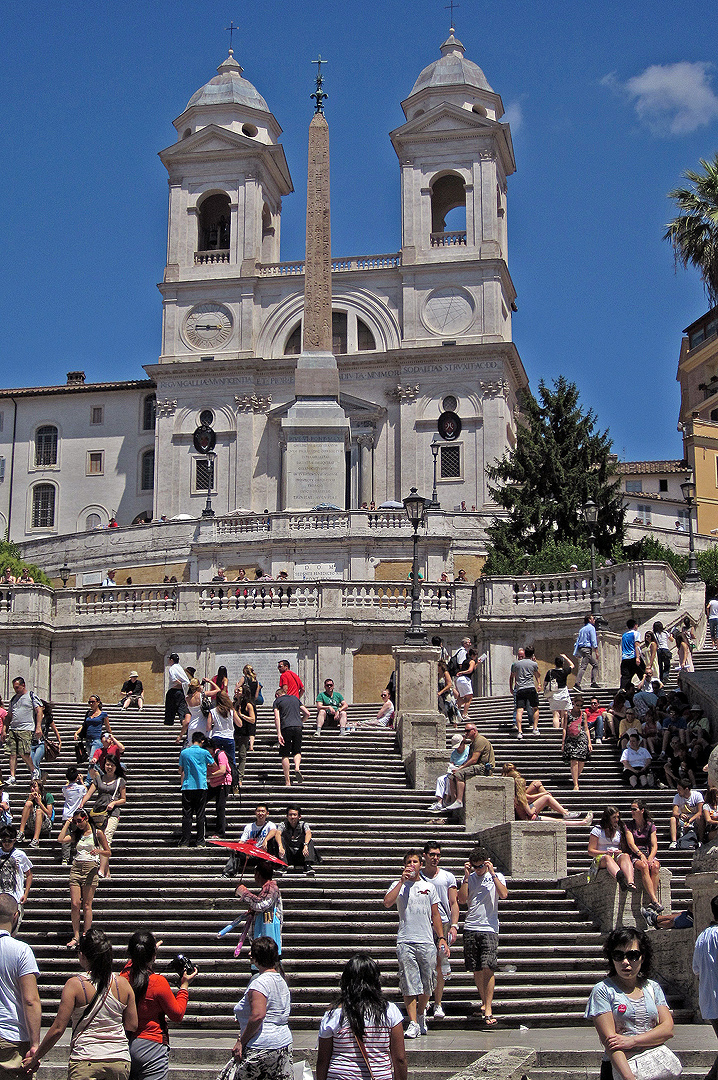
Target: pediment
{"x": 211, "y": 139}
{"x": 443, "y": 118}
{"x": 357, "y": 409}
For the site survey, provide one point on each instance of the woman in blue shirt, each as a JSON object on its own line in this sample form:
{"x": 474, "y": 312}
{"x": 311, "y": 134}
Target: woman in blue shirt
{"x": 628, "y": 1009}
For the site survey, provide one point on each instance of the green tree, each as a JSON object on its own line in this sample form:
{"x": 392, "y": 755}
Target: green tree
{"x": 694, "y": 233}
{"x": 560, "y": 461}
{"x": 10, "y": 557}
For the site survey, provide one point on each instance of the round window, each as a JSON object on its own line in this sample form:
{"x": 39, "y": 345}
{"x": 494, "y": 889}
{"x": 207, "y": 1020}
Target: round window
{"x": 206, "y": 417}
{"x": 249, "y": 130}
{"x": 449, "y": 404}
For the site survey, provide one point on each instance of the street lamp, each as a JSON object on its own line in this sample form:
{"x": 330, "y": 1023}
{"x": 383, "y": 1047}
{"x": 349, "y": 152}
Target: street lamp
{"x": 590, "y": 516}
{"x": 208, "y": 512}
{"x": 415, "y": 506}
{"x": 435, "y": 446}
{"x": 64, "y": 573}
{"x": 688, "y": 491}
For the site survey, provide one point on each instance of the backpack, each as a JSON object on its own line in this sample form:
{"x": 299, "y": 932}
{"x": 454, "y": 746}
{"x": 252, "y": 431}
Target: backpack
{"x": 453, "y": 665}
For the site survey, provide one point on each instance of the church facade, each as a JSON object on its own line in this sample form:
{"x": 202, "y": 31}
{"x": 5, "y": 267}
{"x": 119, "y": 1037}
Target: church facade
{"x": 417, "y": 333}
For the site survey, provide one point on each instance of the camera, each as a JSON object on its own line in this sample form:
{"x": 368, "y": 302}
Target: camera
{"x": 181, "y": 965}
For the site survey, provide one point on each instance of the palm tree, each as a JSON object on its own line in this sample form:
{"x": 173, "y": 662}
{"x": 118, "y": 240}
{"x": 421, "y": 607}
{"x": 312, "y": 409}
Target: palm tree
{"x": 694, "y": 233}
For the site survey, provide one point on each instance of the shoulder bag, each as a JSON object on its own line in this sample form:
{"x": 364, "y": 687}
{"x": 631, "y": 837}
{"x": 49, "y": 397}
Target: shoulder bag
{"x": 658, "y": 1063}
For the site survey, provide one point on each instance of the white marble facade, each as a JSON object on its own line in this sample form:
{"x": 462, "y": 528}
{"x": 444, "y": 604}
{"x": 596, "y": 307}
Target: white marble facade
{"x": 416, "y": 331}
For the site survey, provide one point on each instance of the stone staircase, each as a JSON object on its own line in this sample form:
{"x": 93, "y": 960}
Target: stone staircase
{"x": 364, "y": 817}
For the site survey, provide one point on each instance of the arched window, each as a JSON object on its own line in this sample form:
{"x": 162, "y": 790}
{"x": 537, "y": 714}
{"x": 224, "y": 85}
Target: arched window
{"x": 149, "y": 412}
{"x": 92, "y": 521}
{"x": 294, "y": 342}
{"x": 448, "y": 211}
{"x": 214, "y": 224}
{"x": 43, "y": 506}
{"x": 365, "y": 338}
{"x": 147, "y": 481}
{"x": 46, "y": 446}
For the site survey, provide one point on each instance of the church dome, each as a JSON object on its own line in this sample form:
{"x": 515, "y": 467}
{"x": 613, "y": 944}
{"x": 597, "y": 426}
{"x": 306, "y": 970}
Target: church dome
{"x": 229, "y": 88}
{"x": 451, "y": 69}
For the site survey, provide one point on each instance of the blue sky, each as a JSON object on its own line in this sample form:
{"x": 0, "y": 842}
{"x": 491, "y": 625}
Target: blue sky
{"x": 609, "y": 103}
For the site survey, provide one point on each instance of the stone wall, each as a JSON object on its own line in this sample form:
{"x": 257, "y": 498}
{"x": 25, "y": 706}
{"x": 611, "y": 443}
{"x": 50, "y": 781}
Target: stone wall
{"x": 105, "y": 672}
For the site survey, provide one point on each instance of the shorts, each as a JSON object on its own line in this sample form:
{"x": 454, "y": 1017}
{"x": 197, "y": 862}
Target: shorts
{"x": 84, "y": 874}
{"x": 464, "y": 686}
{"x": 417, "y": 967}
{"x": 684, "y": 921}
{"x": 83, "y": 1069}
{"x": 11, "y": 1055}
{"x": 18, "y": 742}
{"x": 45, "y": 827}
{"x": 480, "y": 950}
{"x": 477, "y": 770}
{"x": 292, "y": 742}
{"x": 527, "y": 695}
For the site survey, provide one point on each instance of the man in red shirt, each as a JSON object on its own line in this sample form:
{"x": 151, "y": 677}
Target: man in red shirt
{"x": 289, "y": 680}
{"x": 595, "y": 716}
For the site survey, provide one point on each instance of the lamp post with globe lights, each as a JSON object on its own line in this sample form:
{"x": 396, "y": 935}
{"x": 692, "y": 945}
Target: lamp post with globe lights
{"x": 435, "y": 446}
{"x": 415, "y": 506}
{"x": 688, "y": 491}
{"x": 590, "y": 516}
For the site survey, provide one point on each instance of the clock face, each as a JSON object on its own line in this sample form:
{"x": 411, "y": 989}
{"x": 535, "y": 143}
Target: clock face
{"x": 448, "y": 311}
{"x": 208, "y": 326}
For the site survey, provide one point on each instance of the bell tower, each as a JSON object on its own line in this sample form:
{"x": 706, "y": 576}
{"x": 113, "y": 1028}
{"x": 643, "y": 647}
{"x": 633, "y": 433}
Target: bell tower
{"x": 455, "y": 156}
{"x": 227, "y": 176}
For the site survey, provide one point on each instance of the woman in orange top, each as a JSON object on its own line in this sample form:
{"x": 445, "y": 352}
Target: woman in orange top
{"x": 149, "y": 1049}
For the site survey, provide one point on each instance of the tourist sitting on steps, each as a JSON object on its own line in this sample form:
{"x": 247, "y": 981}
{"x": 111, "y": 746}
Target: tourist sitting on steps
{"x": 480, "y": 762}
{"x": 637, "y": 762}
{"x": 295, "y": 843}
{"x": 38, "y": 813}
{"x": 642, "y": 842}
{"x": 609, "y": 851}
{"x": 331, "y": 705}
{"x": 461, "y": 746}
{"x": 531, "y": 799}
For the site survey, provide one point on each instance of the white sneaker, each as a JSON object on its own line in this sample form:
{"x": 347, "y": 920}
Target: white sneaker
{"x": 536, "y": 731}
{"x": 11, "y": 780}
{"x": 456, "y": 805}
{"x": 413, "y": 1031}
{"x": 599, "y": 742}
{"x": 519, "y": 735}
{"x": 423, "y": 1028}
{"x": 436, "y": 808}
{"x": 439, "y": 1013}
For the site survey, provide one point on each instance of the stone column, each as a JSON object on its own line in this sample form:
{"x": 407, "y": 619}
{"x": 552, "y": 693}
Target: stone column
{"x": 419, "y": 723}
{"x": 366, "y": 479}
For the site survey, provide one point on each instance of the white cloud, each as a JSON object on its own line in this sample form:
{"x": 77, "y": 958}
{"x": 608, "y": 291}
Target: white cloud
{"x": 671, "y": 99}
{"x": 513, "y": 115}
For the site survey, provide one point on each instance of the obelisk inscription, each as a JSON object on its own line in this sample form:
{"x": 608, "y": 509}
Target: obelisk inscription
{"x": 317, "y": 335}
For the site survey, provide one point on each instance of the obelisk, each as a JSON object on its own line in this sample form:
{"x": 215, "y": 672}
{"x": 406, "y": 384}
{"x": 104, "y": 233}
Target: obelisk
{"x": 316, "y": 428}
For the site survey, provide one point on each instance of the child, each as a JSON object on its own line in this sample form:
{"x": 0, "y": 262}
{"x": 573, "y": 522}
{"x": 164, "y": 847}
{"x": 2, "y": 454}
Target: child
{"x": 73, "y": 792}
{"x": 15, "y": 867}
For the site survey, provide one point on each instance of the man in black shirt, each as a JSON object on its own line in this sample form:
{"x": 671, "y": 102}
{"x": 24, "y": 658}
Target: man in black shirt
{"x": 294, "y": 839}
{"x": 289, "y": 715}
{"x": 131, "y": 693}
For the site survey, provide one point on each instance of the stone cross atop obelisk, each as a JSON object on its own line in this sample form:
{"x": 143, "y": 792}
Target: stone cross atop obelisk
{"x": 316, "y": 429}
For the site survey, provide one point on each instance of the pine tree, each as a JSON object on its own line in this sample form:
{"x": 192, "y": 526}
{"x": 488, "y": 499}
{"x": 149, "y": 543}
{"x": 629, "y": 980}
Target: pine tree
{"x": 559, "y": 462}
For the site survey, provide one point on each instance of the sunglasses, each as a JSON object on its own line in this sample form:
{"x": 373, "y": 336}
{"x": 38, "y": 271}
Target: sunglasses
{"x": 632, "y": 955}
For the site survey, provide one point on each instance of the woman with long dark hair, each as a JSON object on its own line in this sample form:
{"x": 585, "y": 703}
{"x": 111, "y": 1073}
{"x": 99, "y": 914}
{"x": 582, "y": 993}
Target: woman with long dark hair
{"x": 628, "y": 1009}
{"x": 607, "y": 848}
{"x": 364, "y": 1032}
{"x": 102, "y": 1010}
{"x": 110, "y": 793}
{"x": 642, "y": 842}
{"x": 150, "y": 1044}
{"x": 244, "y": 734}
{"x": 90, "y": 844}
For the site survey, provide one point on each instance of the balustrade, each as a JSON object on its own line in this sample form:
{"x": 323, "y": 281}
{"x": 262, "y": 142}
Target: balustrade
{"x": 232, "y": 526}
{"x": 339, "y": 265}
{"x": 202, "y": 258}
{"x": 448, "y": 239}
{"x": 259, "y": 597}
{"x": 108, "y": 601}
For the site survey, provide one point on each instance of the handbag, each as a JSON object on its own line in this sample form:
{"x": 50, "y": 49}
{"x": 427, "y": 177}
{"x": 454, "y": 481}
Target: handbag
{"x": 52, "y": 750}
{"x": 658, "y": 1063}
{"x": 259, "y": 696}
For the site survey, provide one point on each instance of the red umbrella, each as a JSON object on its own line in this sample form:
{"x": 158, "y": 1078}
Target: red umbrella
{"x": 249, "y": 848}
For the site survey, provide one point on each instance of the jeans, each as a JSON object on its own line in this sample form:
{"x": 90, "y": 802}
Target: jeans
{"x": 219, "y": 795}
{"x": 598, "y": 725}
{"x": 37, "y": 753}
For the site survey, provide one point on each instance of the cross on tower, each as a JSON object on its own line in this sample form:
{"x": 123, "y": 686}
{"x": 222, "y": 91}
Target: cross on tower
{"x": 231, "y": 29}
{"x": 319, "y": 94}
{"x": 450, "y": 7}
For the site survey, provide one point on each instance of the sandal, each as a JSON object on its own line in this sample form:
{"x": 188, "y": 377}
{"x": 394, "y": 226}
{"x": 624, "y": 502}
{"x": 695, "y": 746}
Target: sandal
{"x": 73, "y": 943}
{"x": 490, "y": 1020}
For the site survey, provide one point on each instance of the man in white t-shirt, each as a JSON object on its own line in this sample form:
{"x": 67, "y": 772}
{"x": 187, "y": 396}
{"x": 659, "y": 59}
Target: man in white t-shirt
{"x": 445, "y": 884}
{"x": 687, "y": 812}
{"x": 20, "y": 1009}
{"x": 420, "y": 928}
{"x": 712, "y": 611}
{"x": 257, "y": 831}
{"x": 481, "y": 889}
{"x": 636, "y": 761}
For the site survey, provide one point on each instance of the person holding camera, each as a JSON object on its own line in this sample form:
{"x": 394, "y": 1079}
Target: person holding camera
{"x": 150, "y": 1045}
